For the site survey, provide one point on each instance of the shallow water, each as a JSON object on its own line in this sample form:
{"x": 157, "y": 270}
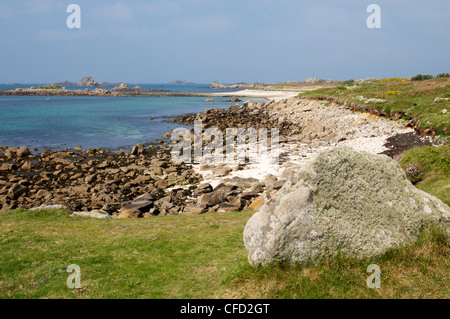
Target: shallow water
{"x": 107, "y": 122}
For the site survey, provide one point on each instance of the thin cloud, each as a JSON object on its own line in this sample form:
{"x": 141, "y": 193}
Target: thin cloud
{"x": 205, "y": 24}
{"x": 117, "y": 12}
{"x": 48, "y": 35}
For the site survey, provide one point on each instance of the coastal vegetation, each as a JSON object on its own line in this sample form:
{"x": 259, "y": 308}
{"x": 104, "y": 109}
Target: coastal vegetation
{"x": 424, "y": 103}
{"x": 429, "y": 169}
{"x": 421, "y": 77}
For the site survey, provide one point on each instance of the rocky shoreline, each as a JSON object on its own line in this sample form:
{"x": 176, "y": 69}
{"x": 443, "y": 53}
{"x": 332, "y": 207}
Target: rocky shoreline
{"x": 146, "y": 182}
{"x": 114, "y": 92}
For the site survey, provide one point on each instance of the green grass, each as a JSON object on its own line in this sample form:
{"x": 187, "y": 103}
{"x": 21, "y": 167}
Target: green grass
{"x": 162, "y": 257}
{"x": 429, "y": 169}
{"x": 414, "y": 102}
{"x": 417, "y": 271}
{"x": 191, "y": 256}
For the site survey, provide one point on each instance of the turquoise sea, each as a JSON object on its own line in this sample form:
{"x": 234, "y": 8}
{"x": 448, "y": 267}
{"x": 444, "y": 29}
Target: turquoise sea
{"x": 106, "y": 122}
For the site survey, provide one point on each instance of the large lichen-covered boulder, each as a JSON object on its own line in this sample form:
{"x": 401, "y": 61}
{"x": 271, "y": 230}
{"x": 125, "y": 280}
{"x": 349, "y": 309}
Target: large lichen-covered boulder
{"x": 343, "y": 201}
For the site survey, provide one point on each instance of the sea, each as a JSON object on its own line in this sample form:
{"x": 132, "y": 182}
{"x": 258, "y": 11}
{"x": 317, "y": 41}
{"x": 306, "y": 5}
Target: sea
{"x": 113, "y": 123}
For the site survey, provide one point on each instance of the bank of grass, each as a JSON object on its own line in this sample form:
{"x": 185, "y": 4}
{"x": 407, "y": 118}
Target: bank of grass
{"x": 429, "y": 169}
{"x": 413, "y": 100}
{"x": 191, "y": 256}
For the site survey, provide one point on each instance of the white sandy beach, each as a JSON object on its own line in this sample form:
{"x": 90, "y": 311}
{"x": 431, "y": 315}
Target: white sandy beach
{"x": 270, "y": 95}
{"x": 361, "y": 131}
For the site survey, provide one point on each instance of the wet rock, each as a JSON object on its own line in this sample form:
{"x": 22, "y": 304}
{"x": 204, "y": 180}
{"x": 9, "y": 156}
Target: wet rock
{"x": 202, "y": 189}
{"x": 196, "y": 209}
{"x": 231, "y": 206}
{"x": 16, "y": 191}
{"x": 249, "y": 195}
{"x": 138, "y": 149}
{"x": 162, "y": 184}
{"x": 130, "y": 214}
{"x": 7, "y": 167}
{"x": 221, "y": 171}
{"x": 141, "y": 205}
{"x": 278, "y": 184}
{"x": 23, "y": 151}
{"x": 211, "y": 199}
{"x": 257, "y": 203}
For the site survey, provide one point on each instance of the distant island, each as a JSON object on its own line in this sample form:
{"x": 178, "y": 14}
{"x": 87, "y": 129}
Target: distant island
{"x": 180, "y": 82}
{"x": 86, "y": 81}
{"x": 288, "y": 85}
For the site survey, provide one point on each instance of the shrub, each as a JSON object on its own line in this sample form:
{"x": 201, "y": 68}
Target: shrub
{"x": 443, "y": 75}
{"x": 413, "y": 173}
{"x": 348, "y": 82}
{"x": 421, "y": 77}
{"x": 426, "y": 160}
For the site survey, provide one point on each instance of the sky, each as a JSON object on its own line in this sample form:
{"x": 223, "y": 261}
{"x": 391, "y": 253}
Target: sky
{"x": 157, "y": 41}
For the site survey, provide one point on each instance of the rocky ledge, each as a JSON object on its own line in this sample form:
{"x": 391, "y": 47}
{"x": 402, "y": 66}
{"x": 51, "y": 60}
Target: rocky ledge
{"x": 97, "y": 183}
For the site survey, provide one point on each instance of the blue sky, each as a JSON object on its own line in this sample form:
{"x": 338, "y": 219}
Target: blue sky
{"x": 229, "y": 41}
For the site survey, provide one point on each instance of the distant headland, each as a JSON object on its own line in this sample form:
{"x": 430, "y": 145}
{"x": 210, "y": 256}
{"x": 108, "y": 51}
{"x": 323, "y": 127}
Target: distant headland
{"x": 180, "y": 82}
{"x": 86, "y": 81}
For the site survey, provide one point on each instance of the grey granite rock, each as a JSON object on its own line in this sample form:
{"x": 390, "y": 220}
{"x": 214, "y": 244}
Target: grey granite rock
{"x": 347, "y": 201}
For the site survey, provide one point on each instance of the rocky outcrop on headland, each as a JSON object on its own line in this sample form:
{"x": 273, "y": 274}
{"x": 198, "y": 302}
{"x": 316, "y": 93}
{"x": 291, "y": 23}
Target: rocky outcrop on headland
{"x": 237, "y": 86}
{"x": 86, "y": 81}
{"x": 344, "y": 202}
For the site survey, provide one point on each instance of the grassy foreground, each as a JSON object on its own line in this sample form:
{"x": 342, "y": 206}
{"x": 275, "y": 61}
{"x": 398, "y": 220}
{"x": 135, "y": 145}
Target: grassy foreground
{"x": 192, "y": 256}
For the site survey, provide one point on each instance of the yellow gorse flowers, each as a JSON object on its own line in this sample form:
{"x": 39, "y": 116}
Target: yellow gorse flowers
{"x": 394, "y": 80}
{"x": 393, "y": 92}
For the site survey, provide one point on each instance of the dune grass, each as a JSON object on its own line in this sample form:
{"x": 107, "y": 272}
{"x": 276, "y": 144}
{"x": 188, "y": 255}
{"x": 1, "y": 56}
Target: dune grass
{"x": 191, "y": 256}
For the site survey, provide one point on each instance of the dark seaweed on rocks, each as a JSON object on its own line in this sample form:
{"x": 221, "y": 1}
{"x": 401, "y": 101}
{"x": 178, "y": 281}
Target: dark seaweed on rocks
{"x": 402, "y": 142}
